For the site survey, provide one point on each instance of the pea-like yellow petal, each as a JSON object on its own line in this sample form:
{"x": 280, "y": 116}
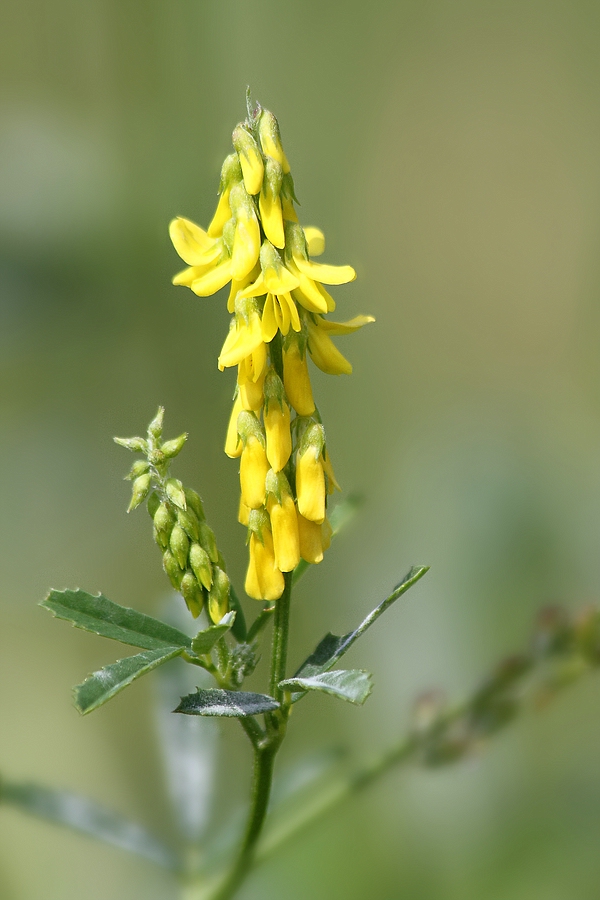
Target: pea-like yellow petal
{"x": 310, "y": 540}
{"x": 323, "y": 273}
{"x": 279, "y": 438}
{"x": 246, "y": 340}
{"x": 271, "y": 217}
{"x": 345, "y": 327}
{"x": 310, "y": 486}
{"x": 279, "y": 280}
{"x": 325, "y": 354}
{"x": 221, "y": 216}
{"x": 264, "y": 580}
{"x": 213, "y": 280}
{"x": 315, "y": 240}
{"x": 253, "y": 472}
{"x": 233, "y": 445}
{"x": 246, "y": 245}
{"x": 286, "y": 540}
{"x": 192, "y": 243}
{"x": 297, "y": 381}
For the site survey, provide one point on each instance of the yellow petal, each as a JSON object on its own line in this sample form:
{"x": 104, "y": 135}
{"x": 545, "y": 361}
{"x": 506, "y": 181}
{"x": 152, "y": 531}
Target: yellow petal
{"x": 286, "y": 541}
{"x": 192, "y": 243}
{"x": 345, "y": 327}
{"x": 287, "y": 208}
{"x": 279, "y": 438}
{"x": 246, "y": 246}
{"x": 213, "y": 280}
{"x": 247, "y": 339}
{"x": 279, "y": 280}
{"x": 253, "y": 472}
{"x": 222, "y": 215}
{"x": 286, "y": 299}
{"x": 271, "y": 218}
{"x": 264, "y": 580}
{"x": 269, "y": 323}
{"x": 188, "y": 276}
{"x": 315, "y": 240}
{"x": 325, "y": 354}
{"x": 296, "y": 381}
{"x": 310, "y": 486}
{"x": 308, "y": 294}
{"x": 233, "y": 445}
{"x": 239, "y": 285}
{"x": 325, "y": 274}
{"x": 256, "y": 289}
{"x": 310, "y": 538}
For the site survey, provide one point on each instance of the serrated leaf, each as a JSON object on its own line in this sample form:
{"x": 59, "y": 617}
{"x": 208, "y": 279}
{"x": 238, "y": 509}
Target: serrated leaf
{"x": 104, "y": 684}
{"x": 233, "y": 704}
{"x": 353, "y": 685}
{"x": 120, "y": 623}
{"x": 87, "y": 817}
{"x": 206, "y": 640}
{"x": 333, "y": 647}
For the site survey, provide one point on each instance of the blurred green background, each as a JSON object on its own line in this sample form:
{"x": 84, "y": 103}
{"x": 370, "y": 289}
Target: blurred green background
{"x": 450, "y": 153}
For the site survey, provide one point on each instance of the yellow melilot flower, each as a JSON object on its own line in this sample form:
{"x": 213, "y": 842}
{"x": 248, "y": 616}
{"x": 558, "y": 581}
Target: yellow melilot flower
{"x": 270, "y": 140}
{"x": 244, "y": 338}
{"x": 246, "y": 237}
{"x": 284, "y": 525}
{"x": 269, "y": 203}
{"x": 251, "y": 378}
{"x": 310, "y": 485}
{"x": 296, "y": 379}
{"x": 250, "y": 159}
{"x": 254, "y": 467}
{"x": 277, "y": 430}
{"x": 264, "y": 580}
{"x": 310, "y": 540}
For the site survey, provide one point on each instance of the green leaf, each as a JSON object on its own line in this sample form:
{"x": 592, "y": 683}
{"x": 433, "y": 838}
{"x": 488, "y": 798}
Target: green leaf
{"x": 206, "y": 640}
{"x": 333, "y": 647}
{"x": 101, "y": 616}
{"x": 104, "y": 684}
{"x": 353, "y": 685}
{"x": 216, "y": 702}
{"x": 340, "y": 516}
{"x": 86, "y": 817}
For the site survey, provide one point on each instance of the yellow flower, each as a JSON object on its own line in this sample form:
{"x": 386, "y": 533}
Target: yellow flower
{"x": 270, "y": 140}
{"x": 251, "y": 377}
{"x": 264, "y": 580}
{"x": 244, "y": 338}
{"x": 207, "y": 257}
{"x": 310, "y": 478}
{"x": 322, "y": 349}
{"x": 284, "y": 525}
{"x": 296, "y": 379}
{"x": 269, "y": 204}
{"x": 253, "y": 472}
{"x": 310, "y": 540}
{"x": 276, "y": 281}
{"x": 279, "y": 438}
{"x": 233, "y": 445}
{"x": 246, "y": 238}
{"x": 231, "y": 174}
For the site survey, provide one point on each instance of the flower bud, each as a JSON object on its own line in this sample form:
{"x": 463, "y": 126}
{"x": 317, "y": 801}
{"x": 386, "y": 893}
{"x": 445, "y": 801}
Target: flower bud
{"x": 188, "y": 520}
{"x": 175, "y": 493}
{"x": 231, "y": 174}
{"x": 208, "y": 541}
{"x": 253, "y": 471}
{"x": 140, "y": 467}
{"x": 192, "y": 594}
{"x": 153, "y": 504}
{"x": 163, "y": 519}
{"x": 201, "y": 566}
{"x": 284, "y": 527}
{"x": 155, "y": 428}
{"x": 172, "y": 568}
{"x": 250, "y": 159}
{"x": 218, "y": 597}
{"x": 269, "y": 204}
{"x": 141, "y": 489}
{"x": 160, "y": 538}
{"x": 173, "y": 447}
{"x": 179, "y": 544}
{"x": 194, "y": 502}
{"x": 136, "y": 444}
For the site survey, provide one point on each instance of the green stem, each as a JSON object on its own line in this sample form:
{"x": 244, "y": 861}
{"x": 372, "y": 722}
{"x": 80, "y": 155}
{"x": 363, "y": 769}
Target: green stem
{"x": 281, "y": 627}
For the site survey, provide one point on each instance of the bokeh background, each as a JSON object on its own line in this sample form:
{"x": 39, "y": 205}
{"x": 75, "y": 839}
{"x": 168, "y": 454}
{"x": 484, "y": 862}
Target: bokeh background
{"x": 450, "y": 152}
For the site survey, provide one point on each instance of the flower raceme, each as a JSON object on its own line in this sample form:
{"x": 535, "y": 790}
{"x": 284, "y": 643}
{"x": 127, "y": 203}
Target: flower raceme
{"x": 279, "y": 302}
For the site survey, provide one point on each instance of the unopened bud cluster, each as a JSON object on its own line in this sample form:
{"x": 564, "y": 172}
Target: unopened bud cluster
{"x": 279, "y": 302}
{"x": 191, "y": 559}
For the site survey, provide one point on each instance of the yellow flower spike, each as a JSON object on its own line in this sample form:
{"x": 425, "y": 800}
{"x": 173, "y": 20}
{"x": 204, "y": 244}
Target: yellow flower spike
{"x": 245, "y": 337}
{"x": 250, "y": 159}
{"x": 233, "y": 445}
{"x": 270, "y": 139}
{"x": 315, "y": 240}
{"x": 264, "y": 580}
{"x": 284, "y": 528}
{"x": 269, "y": 203}
{"x": 231, "y": 174}
{"x": 253, "y": 464}
{"x": 310, "y": 539}
{"x": 192, "y": 243}
{"x": 310, "y": 477}
{"x": 277, "y": 423}
{"x": 296, "y": 379}
{"x": 246, "y": 240}
{"x": 324, "y": 353}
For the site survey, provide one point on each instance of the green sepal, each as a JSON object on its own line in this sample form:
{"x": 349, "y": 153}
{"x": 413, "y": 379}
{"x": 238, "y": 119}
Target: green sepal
{"x": 119, "y": 623}
{"x": 333, "y": 647}
{"x": 353, "y": 685}
{"x": 103, "y": 685}
{"x": 206, "y": 640}
{"x": 86, "y": 817}
{"x": 231, "y": 704}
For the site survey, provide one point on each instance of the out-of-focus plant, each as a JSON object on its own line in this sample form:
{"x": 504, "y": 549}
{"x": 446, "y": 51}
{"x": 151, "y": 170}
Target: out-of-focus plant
{"x": 279, "y": 303}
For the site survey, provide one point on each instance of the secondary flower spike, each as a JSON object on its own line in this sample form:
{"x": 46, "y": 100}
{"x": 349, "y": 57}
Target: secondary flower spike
{"x": 279, "y": 304}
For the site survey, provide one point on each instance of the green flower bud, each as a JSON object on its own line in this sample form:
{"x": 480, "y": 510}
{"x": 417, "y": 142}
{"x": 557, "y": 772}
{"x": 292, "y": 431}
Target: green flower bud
{"x": 136, "y": 444}
{"x": 155, "y": 427}
{"x": 140, "y": 467}
{"x": 250, "y": 159}
{"x": 153, "y": 503}
{"x": 218, "y": 597}
{"x": 172, "y": 448}
{"x": 172, "y": 568}
{"x": 231, "y": 172}
{"x": 194, "y": 502}
{"x": 141, "y": 489}
{"x": 163, "y": 519}
{"x": 208, "y": 541}
{"x": 179, "y": 544}
{"x": 189, "y": 522}
{"x": 161, "y": 538}
{"x": 174, "y": 491}
{"x": 201, "y": 566}
{"x": 192, "y": 594}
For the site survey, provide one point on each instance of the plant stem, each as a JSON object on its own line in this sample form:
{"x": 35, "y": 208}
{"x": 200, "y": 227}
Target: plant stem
{"x": 265, "y": 751}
